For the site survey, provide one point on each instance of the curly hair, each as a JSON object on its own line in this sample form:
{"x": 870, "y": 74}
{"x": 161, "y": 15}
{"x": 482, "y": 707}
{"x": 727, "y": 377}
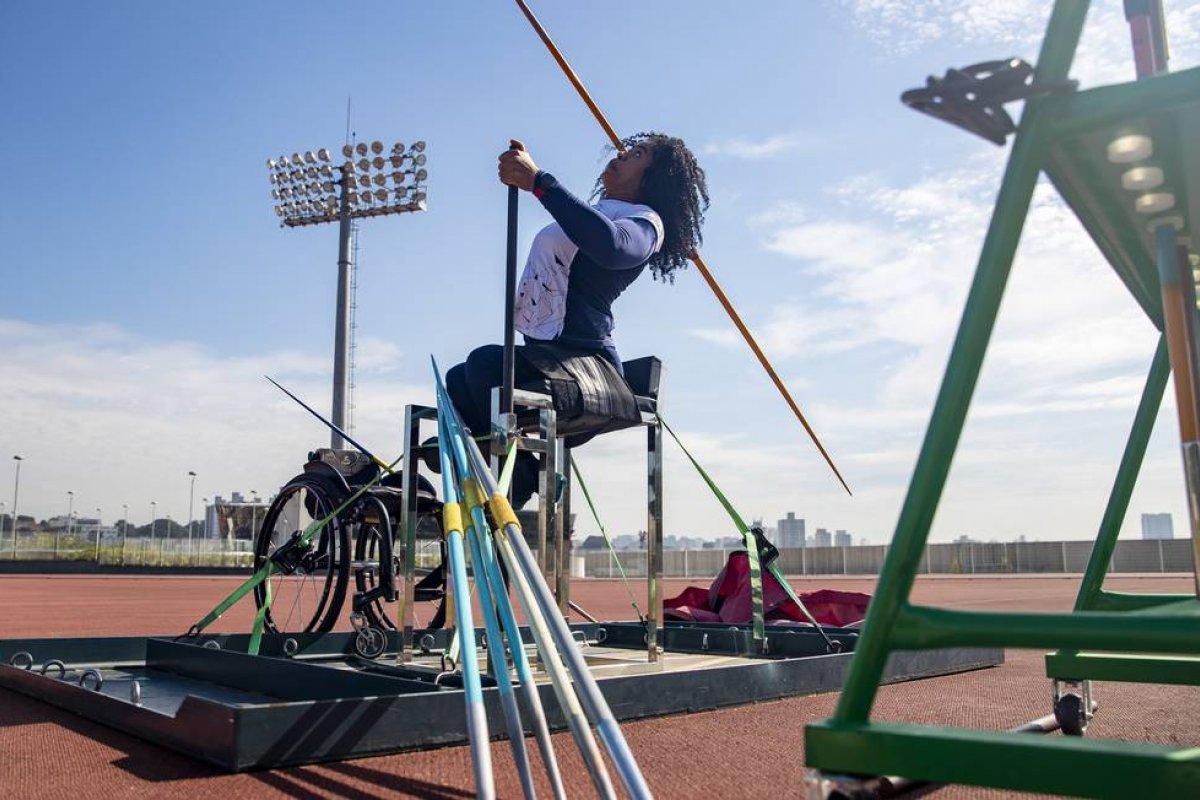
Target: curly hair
{"x": 674, "y": 186}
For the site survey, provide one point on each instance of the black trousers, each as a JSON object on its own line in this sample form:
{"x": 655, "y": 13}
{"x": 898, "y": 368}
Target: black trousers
{"x": 470, "y": 385}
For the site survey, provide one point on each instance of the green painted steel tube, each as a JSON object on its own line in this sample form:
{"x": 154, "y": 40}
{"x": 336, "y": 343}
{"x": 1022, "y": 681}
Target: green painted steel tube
{"x": 1132, "y": 601}
{"x": 925, "y": 628}
{"x": 966, "y": 359}
{"x": 1109, "y": 105}
{"x": 1062, "y": 765}
{"x": 1127, "y": 474}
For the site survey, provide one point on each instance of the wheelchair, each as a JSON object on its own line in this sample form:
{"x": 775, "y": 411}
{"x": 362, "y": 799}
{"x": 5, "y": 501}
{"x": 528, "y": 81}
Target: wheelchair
{"x": 360, "y": 545}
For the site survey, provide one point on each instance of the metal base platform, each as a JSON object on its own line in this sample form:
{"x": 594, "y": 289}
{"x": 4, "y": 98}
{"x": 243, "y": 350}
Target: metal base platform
{"x": 310, "y": 699}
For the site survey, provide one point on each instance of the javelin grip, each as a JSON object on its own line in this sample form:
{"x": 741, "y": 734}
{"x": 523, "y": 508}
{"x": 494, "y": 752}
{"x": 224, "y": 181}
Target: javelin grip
{"x": 510, "y": 292}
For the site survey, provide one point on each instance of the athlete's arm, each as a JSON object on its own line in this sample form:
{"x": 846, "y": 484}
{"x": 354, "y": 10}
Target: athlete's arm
{"x": 623, "y": 244}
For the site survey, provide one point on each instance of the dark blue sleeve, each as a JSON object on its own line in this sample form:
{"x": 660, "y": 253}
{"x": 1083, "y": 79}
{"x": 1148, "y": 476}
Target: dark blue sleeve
{"x": 624, "y": 244}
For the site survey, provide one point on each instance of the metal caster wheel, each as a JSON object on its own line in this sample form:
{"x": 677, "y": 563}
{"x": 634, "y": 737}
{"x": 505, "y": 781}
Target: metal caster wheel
{"x": 1070, "y": 712}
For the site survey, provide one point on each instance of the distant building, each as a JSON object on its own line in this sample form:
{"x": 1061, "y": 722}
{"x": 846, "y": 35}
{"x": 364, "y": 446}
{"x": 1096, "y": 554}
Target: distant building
{"x": 822, "y": 538}
{"x": 1157, "y": 526}
{"x": 842, "y": 539}
{"x": 791, "y": 531}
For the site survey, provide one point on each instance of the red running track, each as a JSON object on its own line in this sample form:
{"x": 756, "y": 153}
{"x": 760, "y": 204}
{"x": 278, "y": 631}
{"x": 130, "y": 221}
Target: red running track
{"x": 742, "y": 752}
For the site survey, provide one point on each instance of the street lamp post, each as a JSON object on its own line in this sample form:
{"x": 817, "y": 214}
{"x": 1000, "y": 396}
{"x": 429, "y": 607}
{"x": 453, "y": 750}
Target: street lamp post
{"x": 70, "y": 511}
{"x": 98, "y": 515}
{"x": 191, "y": 502}
{"x": 153, "y": 522}
{"x": 16, "y": 490}
{"x": 124, "y": 530}
{"x": 306, "y": 194}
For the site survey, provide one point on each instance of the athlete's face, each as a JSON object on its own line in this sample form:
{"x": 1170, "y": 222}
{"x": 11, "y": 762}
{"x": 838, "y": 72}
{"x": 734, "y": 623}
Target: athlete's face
{"x": 622, "y": 178}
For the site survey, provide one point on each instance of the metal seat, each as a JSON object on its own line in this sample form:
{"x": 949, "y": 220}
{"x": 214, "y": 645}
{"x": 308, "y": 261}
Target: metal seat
{"x": 534, "y": 427}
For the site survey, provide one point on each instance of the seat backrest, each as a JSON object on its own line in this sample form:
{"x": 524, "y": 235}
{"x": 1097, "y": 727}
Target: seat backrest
{"x": 643, "y": 375}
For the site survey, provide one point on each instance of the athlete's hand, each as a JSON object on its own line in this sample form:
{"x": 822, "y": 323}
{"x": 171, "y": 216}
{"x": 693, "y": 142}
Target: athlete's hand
{"x": 517, "y": 168}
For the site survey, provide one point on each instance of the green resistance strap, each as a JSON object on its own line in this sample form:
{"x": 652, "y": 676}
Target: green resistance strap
{"x": 267, "y": 569}
{"x": 607, "y": 540}
{"x": 506, "y": 472}
{"x": 752, "y": 553}
{"x": 756, "y": 590}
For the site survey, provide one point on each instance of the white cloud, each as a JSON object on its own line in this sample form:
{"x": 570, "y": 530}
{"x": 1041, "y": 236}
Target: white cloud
{"x": 120, "y": 420}
{"x": 755, "y": 150}
{"x": 1016, "y": 27}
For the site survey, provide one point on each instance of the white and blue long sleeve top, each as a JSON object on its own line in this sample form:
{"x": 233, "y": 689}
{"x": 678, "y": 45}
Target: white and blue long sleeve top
{"x": 580, "y": 264}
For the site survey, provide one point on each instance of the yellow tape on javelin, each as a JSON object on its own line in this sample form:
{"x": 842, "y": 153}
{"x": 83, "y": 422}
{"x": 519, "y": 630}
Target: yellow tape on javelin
{"x": 502, "y": 511}
{"x": 452, "y": 519}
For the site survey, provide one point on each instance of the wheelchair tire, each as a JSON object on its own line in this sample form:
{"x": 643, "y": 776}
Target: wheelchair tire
{"x": 310, "y": 599}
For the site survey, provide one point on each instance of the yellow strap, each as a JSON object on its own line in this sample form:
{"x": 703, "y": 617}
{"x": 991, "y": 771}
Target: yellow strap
{"x": 502, "y": 511}
{"x": 473, "y": 494}
{"x": 452, "y": 519}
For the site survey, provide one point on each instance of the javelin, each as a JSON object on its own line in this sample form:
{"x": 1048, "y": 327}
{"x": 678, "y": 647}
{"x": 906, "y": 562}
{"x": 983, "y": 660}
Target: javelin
{"x": 333, "y": 427}
{"x": 695, "y": 254}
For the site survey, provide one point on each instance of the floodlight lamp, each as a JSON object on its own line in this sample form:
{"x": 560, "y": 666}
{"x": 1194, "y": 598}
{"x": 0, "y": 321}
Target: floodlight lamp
{"x": 420, "y": 175}
{"x": 419, "y": 160}
{"x": 377, "y": 162}
{"x": 1154, "y": 202}
{"x": 278, "y": 211}
{"x": 325, "y": 171}
{"x": 363, "y": 164}
{"x": 397, "y": 148}
{"x": 310, "y": 157}
{"x": 418, "y": 197}
{"x": 397, "y": 161}
{"x": 270, "y": 163}
{"x": 398, "y": 177}
{"x": 376, "y": 147}
{"x": 1142, "y": 178}
{"x": 275, "y": 193}
{"x": 381, "y": 195}
{"x": 364, "y": 180}
{"x": 281, "y": 162}
{"x": 418, "y": 147}
{"x": 379, "y": 179}
{"x": 323, "y": 154}
{"x": 327, "y": 186}
{"x": 352, "y": 197}
{"x": 361, "y": 148}
{"x": 297, "y": 159}
{"x": 1130, "y": 147}
{"x": 347, "y": 151}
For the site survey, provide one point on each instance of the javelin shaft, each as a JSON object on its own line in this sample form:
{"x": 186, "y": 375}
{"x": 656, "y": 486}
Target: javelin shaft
{"x": 695, "y": 255}
{"x": 551, "y": 660}
{"x": 332, "y": 427}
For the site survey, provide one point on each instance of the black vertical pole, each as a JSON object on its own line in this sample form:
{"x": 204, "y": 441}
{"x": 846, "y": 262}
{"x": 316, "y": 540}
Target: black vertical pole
{"x": 510, "y": 292}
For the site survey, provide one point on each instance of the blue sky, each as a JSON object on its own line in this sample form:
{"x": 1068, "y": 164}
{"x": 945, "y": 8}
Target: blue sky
{"x": 147, "y": 285}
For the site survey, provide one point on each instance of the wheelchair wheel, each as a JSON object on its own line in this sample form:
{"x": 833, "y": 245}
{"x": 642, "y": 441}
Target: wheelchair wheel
{"x": 368, "y": 547}
{"x": 374, "y": 563}
{"x": 308, "y": 599}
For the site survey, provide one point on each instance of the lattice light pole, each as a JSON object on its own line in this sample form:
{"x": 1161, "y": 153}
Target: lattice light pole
{"x": 307, "y": 192}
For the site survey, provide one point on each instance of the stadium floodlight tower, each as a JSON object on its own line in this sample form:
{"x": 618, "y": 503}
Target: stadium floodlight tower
{"x": 369, "y": 183}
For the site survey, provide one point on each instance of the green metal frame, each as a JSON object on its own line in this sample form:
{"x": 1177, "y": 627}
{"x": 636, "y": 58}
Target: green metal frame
{"x": 1064, "y": 136}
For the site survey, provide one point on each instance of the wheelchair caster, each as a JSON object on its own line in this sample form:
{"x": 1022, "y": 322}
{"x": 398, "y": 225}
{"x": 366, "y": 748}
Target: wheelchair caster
{"x": 369, "y": 642}
{"x": 1073, "y": 705}
{"x": 1071, "y": 716}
